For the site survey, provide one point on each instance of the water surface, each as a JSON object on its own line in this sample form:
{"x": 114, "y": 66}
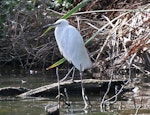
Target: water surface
{"x": 36, "y": 106}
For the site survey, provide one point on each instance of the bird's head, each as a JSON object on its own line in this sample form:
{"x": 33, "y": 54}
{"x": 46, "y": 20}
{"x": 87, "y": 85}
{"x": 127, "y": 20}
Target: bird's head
{"x": 58, "y": 23}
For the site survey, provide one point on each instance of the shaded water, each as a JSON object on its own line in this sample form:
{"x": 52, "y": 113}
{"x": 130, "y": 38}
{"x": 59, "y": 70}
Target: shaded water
{"x": 28, "y": 79}
{"x": 35, "y": 106}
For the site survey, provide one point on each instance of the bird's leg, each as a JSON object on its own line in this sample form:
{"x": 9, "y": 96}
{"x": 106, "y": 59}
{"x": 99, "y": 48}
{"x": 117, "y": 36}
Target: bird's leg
{"x": 67, "y": 101}
{"x": 85, "y": 98}
{"x": 72, "y": 78}
{"x": 67, "y": 74}
{"x": 58, "y": 86}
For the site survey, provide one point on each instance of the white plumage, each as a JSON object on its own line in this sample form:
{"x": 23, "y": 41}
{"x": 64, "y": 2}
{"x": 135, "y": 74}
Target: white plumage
{"x": 71, "y": 45}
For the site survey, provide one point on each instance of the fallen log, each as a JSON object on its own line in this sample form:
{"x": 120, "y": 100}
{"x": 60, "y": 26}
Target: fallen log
{"x": 12, "y": 91}
{"x": 92, "y": 86}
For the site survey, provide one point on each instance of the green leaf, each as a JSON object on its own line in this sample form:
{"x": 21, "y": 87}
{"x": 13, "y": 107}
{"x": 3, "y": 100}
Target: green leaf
{"x": 48, "y": 29}
{"x": 75, "y": 9}
{"x": 60, "y": 1}
{"x": 56, "y": 64}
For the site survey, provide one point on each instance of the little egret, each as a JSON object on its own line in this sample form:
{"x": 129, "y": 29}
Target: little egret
{"x": 71, "y": 45}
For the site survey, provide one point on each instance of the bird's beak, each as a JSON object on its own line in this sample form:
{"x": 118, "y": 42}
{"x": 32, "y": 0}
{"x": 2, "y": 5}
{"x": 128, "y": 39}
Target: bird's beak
{"x": 48, "y": 25}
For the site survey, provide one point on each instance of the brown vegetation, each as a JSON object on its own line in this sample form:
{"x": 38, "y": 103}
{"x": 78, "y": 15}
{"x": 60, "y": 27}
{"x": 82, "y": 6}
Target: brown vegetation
{"x": 122, "y": 40}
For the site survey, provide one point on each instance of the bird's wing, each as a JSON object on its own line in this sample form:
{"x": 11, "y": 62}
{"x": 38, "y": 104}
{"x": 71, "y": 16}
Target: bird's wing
{"x": 71, "y": 41}
{"x": 59, "y": 38}
{"x": 73, "y": 48}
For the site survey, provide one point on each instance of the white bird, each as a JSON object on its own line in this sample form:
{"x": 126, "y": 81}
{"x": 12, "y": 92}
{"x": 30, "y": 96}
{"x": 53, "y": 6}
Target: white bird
{"x": 71, "y": 45}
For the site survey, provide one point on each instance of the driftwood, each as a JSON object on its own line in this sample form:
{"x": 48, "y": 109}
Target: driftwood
{"x": 92, "y": 86}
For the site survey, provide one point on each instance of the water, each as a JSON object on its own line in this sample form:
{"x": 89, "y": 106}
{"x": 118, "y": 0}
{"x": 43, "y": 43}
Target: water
{"x": 36, "y": 106}
{"x": 28, "y": 79}
{"x": 22, "y": 107}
